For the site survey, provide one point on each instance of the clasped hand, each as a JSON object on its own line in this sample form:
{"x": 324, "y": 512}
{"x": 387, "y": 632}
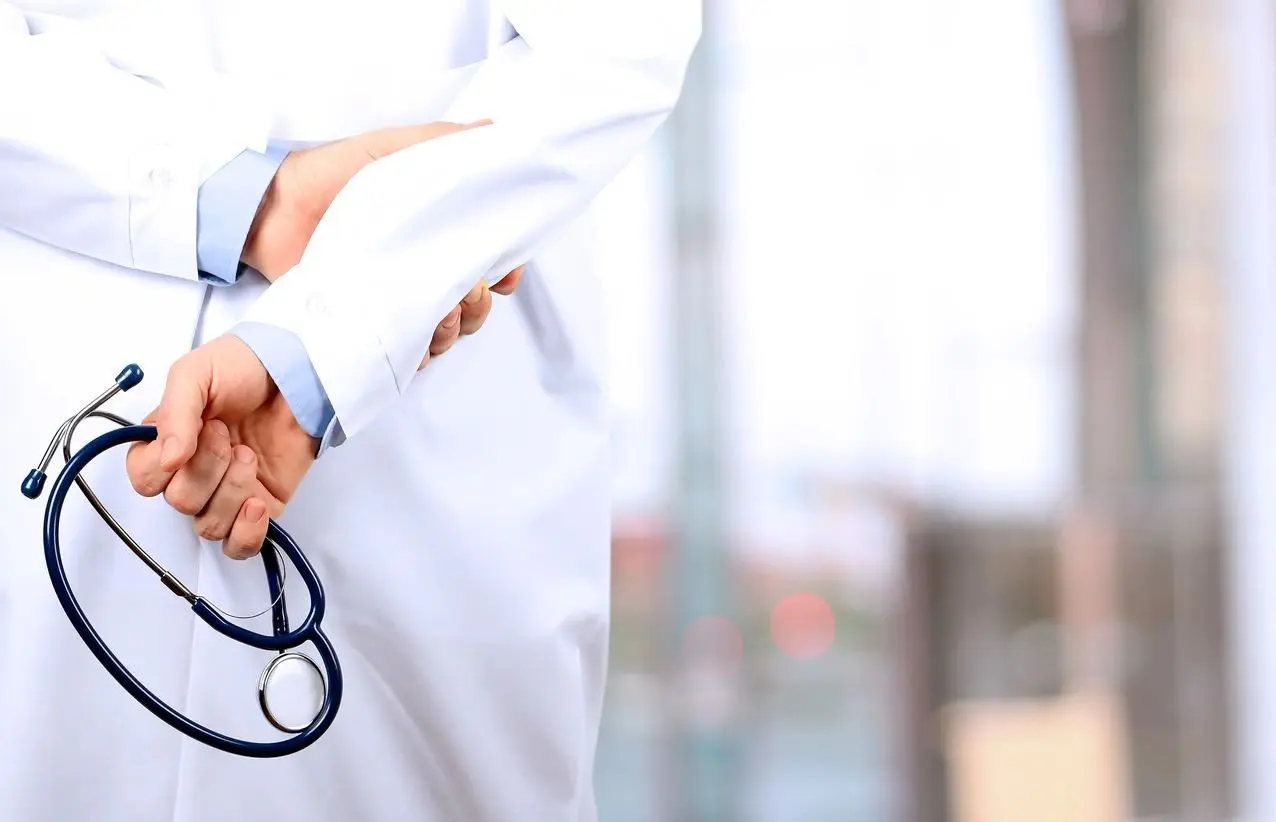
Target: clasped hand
{"x": 229, "y": 452}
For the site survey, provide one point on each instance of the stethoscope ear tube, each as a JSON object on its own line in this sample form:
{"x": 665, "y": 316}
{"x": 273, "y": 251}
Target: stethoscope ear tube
{"x": 282, "y": 640}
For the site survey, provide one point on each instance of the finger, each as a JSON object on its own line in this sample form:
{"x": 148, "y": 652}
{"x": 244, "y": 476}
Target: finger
{"x": 475, "y": 308}
{"x": 194, "y": 483}
{"x": 144, "y": 472}
{"x": 429, "y": 131}
{"x": 446, "y": 333}
{"x": 391, "y": 140}
{"x": 509, "y": 282}
{"x": 142, "y": 463}
{"x": 249, "y": 531}
{"x": 180, "y": 415}
{"x": 237, "y": 485}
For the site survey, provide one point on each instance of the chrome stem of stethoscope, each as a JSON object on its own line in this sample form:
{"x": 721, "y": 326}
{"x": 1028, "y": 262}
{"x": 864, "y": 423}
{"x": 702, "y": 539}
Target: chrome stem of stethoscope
{"x": 126, "y": 379}
{"x": 34, "y": 484}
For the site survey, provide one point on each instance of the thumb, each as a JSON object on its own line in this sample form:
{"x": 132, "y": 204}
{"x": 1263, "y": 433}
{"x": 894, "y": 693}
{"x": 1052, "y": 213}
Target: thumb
{"x": 180, "y": 415}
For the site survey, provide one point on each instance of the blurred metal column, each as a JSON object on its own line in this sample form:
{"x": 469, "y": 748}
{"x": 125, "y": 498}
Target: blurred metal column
{"x": 1115, "y": 368}
{"x": 1250, "y": 435}
{"x": 700, "y": 768}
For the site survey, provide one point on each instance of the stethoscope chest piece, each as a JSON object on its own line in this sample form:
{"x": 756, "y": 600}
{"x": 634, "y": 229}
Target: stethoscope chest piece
{"x": 296, "y": 695}
{"x": 291, "y": 692}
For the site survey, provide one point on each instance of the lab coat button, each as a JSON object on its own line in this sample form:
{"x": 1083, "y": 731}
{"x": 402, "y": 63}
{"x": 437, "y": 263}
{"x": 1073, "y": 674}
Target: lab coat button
{"x": 317, "y": 306}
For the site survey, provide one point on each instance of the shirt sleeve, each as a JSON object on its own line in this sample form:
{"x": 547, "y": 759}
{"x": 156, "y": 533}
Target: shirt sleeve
{"x": 225, "y": 208}
{"x": 285, "y": 359}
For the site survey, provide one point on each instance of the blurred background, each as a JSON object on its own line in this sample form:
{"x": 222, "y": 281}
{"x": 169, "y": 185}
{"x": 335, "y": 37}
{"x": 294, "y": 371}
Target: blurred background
{"x": 943, "y": 339}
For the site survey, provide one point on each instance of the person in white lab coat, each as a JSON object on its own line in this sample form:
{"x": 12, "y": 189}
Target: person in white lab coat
{"x": 457, "y": 513}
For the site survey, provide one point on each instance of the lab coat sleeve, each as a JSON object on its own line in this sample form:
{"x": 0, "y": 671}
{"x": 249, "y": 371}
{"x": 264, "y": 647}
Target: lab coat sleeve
{"x": 573, "y": 100}
{"x": 103, "y": 162}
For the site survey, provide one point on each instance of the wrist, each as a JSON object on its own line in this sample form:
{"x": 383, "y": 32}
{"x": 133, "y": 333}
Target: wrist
{"x": 280, "y": 229}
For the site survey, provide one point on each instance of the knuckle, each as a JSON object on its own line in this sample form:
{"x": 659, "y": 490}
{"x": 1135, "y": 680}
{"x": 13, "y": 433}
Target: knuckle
{"x": 183, "y": 501}
{"x": 219, "y": 450}
{"x": 234, "y": 487}
{"x": 211, "y": 529}
{"x": 179, "y": 369}
{"x": 236, "y": 482}
{"x": 211, "y": 452}
{"x": 215, "y": 431}
{"x": 239, "y": 548}
{"x": 214, "y": 441}
{"x": 244, "y": 467}
{"x": 146, "y": 486}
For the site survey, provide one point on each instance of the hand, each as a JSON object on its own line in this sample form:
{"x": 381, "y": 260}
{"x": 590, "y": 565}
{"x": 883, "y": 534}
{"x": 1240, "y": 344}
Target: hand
{"x": 470, "y": 314}
{"x": 228, "y": 451}
{"x": 307, "y": 182}
{"x": 304, "y": 187}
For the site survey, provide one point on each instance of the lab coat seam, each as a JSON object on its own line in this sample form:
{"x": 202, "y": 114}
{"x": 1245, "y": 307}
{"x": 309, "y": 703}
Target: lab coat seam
{"x": 129, "y": 210}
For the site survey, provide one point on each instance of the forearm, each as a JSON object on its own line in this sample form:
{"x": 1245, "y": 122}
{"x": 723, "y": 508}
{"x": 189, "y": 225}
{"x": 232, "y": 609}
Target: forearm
{"x": 573, "y": 101}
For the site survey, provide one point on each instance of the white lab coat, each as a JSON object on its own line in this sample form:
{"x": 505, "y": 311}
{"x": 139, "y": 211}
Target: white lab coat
{"x": 462, "y": 530}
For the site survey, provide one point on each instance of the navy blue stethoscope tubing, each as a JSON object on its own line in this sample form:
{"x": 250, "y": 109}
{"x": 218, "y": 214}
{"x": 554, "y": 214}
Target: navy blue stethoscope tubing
{"x": 308, "y": 631}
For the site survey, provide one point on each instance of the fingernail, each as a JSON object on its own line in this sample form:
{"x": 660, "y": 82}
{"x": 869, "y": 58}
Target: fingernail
{"x": 484, "y": 122}
{"x": 170, "y": 450}
{"x": 243, "y": 454}
{"x": 474, "y": 296}
{"x": 451, "y": 319}
{"x": 256, "y": 512}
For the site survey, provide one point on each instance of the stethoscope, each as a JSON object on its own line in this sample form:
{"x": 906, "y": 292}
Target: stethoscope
{"x": 289, "y": 674}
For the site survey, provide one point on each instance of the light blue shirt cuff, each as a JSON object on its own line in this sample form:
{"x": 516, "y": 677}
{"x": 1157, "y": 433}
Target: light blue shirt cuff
{"x": 225, "y": 208}
{"x": 285, "y": 359}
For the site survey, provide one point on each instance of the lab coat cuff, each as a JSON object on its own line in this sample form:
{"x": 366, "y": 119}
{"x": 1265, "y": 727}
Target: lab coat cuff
{"x": 344, "y": 349}
{"x": 227, "y": 204}
{"x": 163, "y": 193}
{"x": 210, "y": 122}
